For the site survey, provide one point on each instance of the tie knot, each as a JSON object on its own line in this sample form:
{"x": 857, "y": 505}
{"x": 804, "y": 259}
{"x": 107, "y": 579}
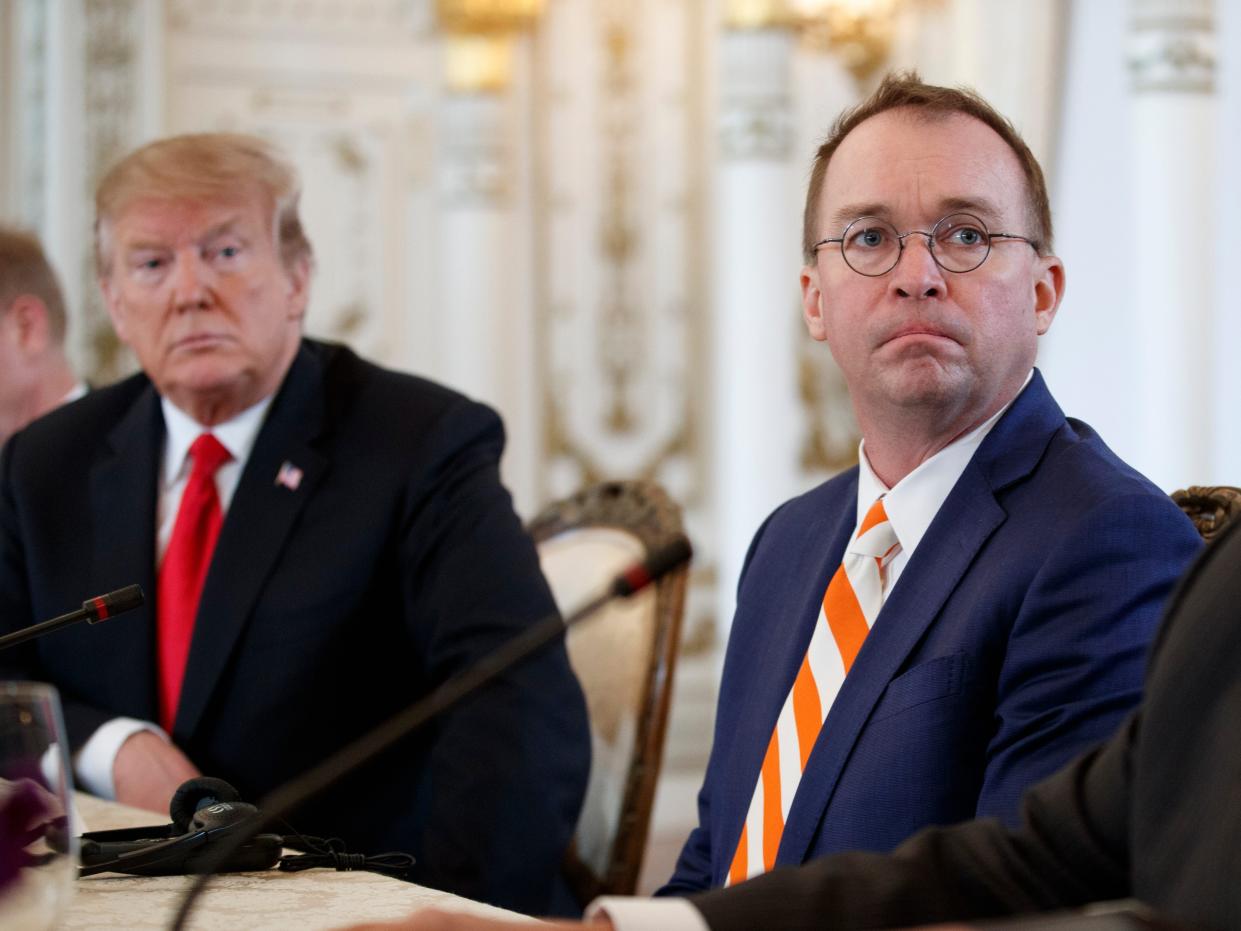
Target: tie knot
{"x": 208, "y": 454}
{"x": 875, "y": 536}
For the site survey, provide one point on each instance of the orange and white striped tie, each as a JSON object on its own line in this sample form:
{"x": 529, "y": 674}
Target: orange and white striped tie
{"x": 850, "y": 605}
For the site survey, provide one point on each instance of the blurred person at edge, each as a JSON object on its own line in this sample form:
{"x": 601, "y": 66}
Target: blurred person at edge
{"x": 35, "y": 375}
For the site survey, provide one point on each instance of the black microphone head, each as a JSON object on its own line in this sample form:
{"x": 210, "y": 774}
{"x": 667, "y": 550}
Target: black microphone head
{"x": 103, "y": 607}
{"x": 672, "y": 555}
{"x": 658, "y": 563}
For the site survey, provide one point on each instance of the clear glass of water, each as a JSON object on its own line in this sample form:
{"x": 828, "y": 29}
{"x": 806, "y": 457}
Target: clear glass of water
{"x": 38, "y": 837}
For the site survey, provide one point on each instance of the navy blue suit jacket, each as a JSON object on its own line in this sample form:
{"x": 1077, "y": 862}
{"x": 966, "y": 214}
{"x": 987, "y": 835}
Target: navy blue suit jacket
{"x": 1014, "y": 638}
{"x": 395, "y": 562}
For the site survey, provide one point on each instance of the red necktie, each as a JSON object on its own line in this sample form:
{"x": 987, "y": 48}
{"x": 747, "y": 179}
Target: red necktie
{"x": 184, "y": 569}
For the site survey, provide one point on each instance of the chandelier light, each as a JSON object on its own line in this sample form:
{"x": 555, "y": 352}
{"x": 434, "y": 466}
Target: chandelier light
{"x": 858, "y": 32}
{"x": 487, "y": 17}
{"x": 478, "y": 46}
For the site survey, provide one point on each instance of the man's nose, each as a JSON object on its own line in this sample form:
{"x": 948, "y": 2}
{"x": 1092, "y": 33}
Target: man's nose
{"x": 917, "y": 274}
{"x": 190, "y": 281}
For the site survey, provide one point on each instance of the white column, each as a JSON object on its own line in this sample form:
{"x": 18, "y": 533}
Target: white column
{"x": 1172, "y": 67}
{"x": 474, "y": 219}
{"x": 484, "y": 323}
{"x": 756, "y": 255}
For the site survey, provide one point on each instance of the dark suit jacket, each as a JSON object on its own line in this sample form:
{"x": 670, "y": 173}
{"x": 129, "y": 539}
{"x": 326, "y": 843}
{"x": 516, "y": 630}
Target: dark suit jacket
{"x": 1014, "y": 638}
{"x": 396, "y": 562}
{"x": 1154, "y": 813}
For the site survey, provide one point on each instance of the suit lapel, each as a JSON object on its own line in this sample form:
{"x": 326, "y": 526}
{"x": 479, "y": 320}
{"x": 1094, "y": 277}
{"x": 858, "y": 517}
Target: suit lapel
{"x": 259, "y": 519}
{"x": 968, "y": 517}
{"x": 123, "y": 493}
{"x": 776, "y": 649}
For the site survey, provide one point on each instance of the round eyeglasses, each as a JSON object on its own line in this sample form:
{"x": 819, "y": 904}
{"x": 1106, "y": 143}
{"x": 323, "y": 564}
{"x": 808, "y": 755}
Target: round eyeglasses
{"x": 960, "y": 242}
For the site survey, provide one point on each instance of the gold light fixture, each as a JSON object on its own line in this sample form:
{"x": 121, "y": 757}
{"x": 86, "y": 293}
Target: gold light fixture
{"x": 760, "y": 14}
{"x": 478, "y": 49}
{"x": 859, "y": 32}
{"x": 484, "y": 17}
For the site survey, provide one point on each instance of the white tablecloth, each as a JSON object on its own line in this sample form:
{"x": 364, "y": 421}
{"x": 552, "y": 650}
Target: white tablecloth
{"x": 306, "y": 901}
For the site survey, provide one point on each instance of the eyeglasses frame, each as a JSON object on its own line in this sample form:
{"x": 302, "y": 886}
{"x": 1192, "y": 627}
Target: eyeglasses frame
{"x": 930, "y": 243}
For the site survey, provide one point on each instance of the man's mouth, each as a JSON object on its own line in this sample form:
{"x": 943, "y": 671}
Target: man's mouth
{"x": 916, "y": 331}
{"x": 199, "y": 341}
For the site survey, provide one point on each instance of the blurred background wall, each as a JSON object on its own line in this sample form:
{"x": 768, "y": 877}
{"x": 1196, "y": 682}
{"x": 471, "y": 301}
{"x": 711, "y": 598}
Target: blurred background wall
{"x": 587, "y": 213}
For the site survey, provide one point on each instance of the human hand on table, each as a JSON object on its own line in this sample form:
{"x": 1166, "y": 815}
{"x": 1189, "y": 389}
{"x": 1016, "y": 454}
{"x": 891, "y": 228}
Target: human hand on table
{"x": 148, "y": 770}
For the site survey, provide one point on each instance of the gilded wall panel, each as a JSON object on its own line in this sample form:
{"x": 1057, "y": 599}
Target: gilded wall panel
{"x": 620, "y": 293}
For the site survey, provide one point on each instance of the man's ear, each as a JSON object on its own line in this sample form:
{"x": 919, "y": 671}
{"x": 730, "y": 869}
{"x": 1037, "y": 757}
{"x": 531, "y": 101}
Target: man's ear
{"x": 812, "y": 303}
{"x": 116, "y": 309}
{"x": 298, "y": 276}
{"x": 1048, "y": 291}
{"x": 27, "y": 319}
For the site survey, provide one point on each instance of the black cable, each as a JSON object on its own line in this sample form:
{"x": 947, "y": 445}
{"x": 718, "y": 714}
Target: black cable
{"x": 330, "y": 853}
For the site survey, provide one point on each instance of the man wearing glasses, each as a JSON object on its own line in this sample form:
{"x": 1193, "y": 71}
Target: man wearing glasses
{"x": 924, "y": 637}
{"x": 1020, "y": 566}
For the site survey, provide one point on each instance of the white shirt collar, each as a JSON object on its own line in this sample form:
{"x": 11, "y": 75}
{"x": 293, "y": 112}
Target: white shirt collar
{"x": 181, "y": 430}
{"x": 77, "y": 391}
{"x": 915, "y": 500}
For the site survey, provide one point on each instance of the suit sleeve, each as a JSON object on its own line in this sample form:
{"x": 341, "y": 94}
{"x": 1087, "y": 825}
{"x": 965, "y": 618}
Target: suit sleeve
{"x": 1076, "y": 652}
{"x": 508, "y": 767}
{"x": 693, "y": 872}
{"x": 1071, "y": 849}
{"x": 82, "y": 718}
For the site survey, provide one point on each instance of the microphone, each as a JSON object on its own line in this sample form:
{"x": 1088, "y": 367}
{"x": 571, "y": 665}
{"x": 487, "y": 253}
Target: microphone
{"x": 662, "y": 560}
{"x": 93, "y": 610}
{"x": 657, "y": 564}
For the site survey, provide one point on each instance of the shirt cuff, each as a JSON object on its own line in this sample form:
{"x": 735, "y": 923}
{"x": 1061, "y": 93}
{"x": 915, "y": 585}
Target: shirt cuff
{"x": 93, "y": 763}
{"x": 630, "y": 914}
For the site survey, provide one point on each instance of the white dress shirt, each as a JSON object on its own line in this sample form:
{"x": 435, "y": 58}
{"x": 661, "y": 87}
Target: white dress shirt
{"x": 93, "y": 763}
{"x": 911, "y": 506}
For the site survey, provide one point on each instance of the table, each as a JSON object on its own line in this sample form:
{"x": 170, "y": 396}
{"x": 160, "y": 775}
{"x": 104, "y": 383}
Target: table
{"x": 314, "y": 899}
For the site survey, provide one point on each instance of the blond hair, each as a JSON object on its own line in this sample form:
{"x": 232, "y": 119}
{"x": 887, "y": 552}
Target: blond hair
{"x": 24, "y": 269}
{"x": 207, "y": 167}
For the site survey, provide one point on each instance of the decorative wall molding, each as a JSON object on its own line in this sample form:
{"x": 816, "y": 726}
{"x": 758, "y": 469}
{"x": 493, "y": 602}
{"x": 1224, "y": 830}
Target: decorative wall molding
{"x": 112, "y": 110}
{"x": 31, "y": 114}
{"x": 619, "y": 185}
{"x": 830, "y": 442}
{"x": 329, "y": 21}
{"x": 616, "y": 327}
{"x": 756, "y": 117}
{"x": 476, "y": 164}
{"x": 1172, "y": 46}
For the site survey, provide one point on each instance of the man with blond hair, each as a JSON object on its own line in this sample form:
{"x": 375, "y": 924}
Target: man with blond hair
{"x": 35, "y": 375}
{"x": 322, "y": 542}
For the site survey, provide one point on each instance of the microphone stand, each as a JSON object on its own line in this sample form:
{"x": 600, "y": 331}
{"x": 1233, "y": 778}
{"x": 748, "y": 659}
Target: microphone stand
{"x": 305, "y": 787}
{"x": 93, "y": 610}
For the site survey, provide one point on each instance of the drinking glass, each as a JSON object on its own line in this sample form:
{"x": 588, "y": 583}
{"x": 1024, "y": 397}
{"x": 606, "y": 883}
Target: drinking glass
{"x": 38, "y": 839}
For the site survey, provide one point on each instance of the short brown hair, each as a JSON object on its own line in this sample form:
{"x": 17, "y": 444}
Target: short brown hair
{"x": 24, "y": 269}
{"x": 904, "y": 89}
{"x": 206, "y": 166}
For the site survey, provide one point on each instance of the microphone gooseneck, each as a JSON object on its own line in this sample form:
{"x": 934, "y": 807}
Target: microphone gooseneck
{"x": 93, "y": 610}
{"x": 658, "y": 563}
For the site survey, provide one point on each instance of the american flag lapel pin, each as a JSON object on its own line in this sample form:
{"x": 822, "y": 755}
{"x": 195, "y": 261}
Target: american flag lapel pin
{"x": 289, "y": 476}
